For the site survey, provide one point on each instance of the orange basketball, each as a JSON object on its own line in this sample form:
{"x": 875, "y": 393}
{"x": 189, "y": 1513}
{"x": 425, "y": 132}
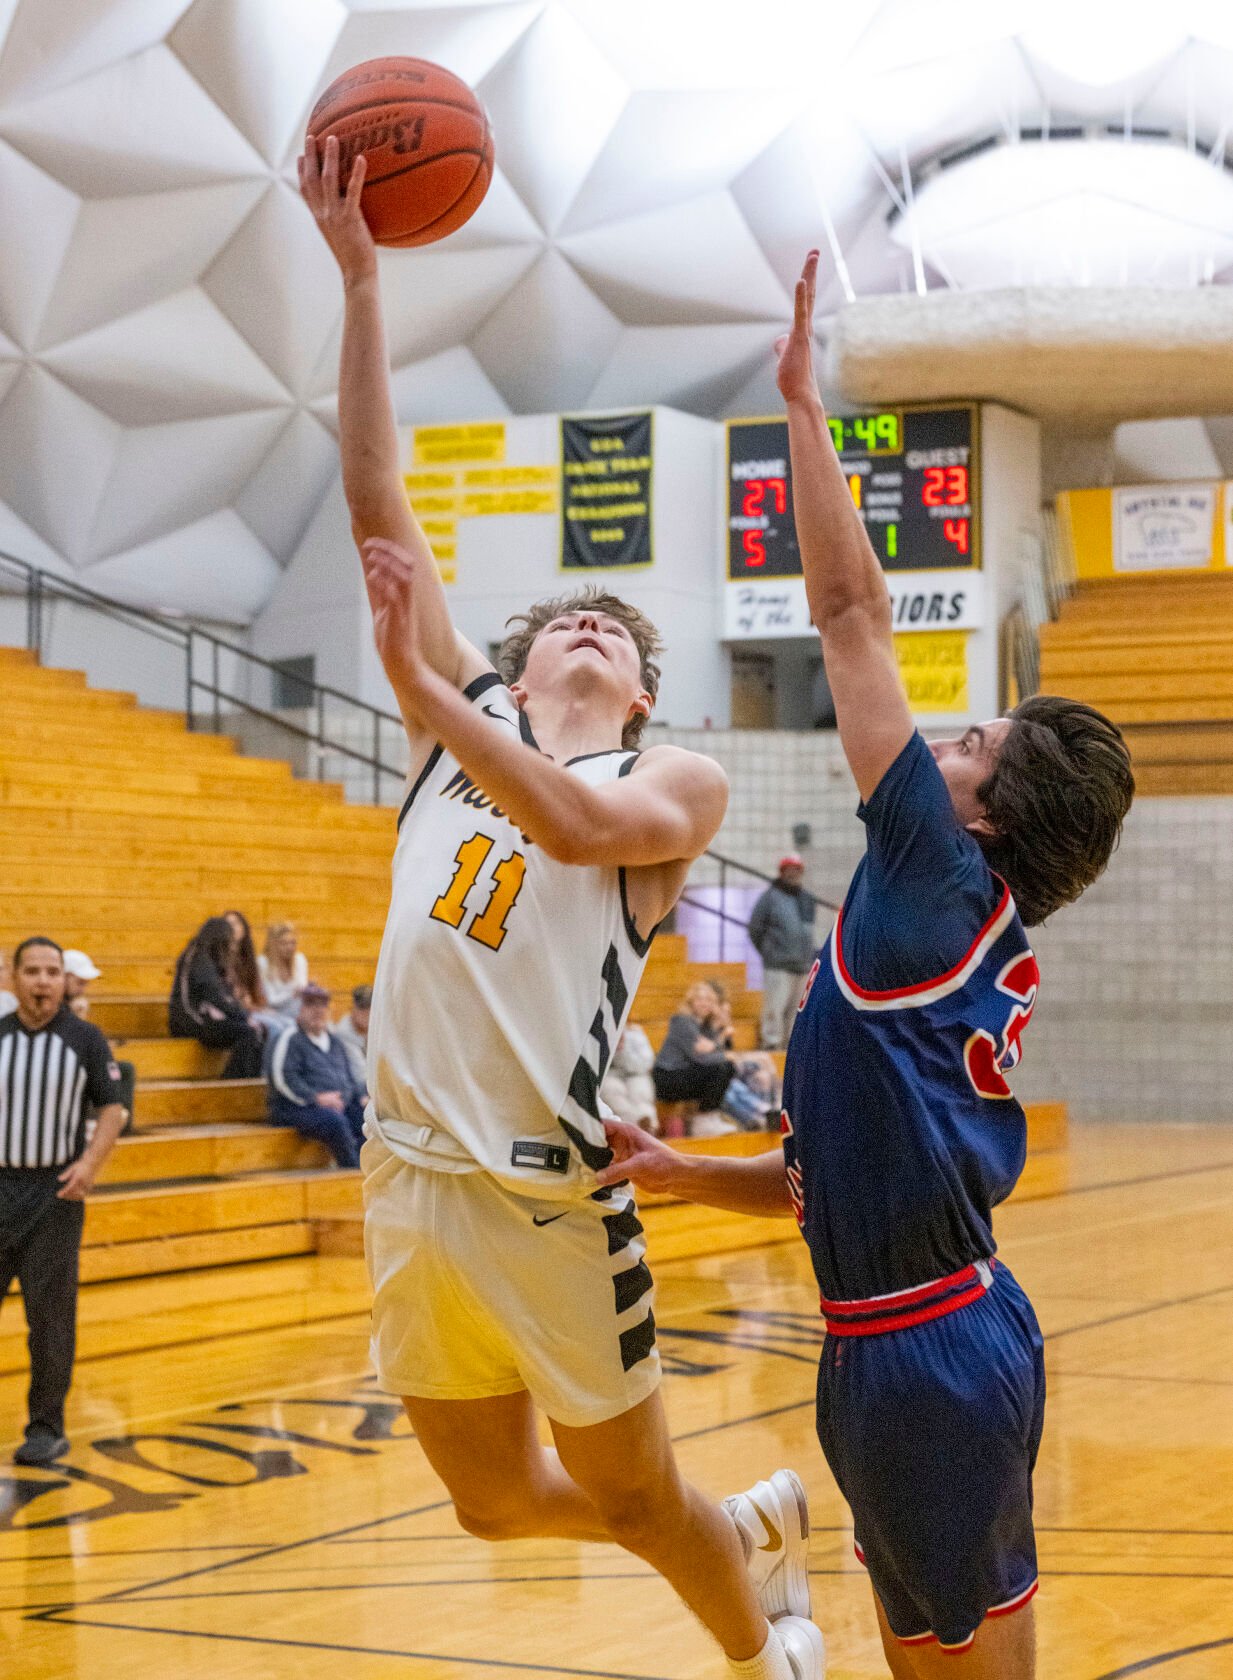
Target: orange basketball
{"x": 426, "y": 140}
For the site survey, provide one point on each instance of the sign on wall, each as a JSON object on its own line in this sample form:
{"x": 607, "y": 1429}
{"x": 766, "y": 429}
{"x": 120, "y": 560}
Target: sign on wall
{"x": 934, "y": 669}
{"x": 1164, "y": 527}
{"x": 606, "y": 467}
{"x": 447, "y": 484}
{"x": 933, "y": 601}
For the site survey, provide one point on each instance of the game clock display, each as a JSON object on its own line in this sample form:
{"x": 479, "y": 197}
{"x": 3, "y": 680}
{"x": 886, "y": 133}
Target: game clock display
{"x": 913, "y": 474}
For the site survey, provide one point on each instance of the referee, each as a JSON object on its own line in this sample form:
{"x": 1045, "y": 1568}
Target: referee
{"x": 54, "y": 1067}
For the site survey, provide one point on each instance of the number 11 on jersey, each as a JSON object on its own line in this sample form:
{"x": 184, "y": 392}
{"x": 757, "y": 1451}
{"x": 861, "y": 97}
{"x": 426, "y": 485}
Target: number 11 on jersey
{"x": 488, "y": 926}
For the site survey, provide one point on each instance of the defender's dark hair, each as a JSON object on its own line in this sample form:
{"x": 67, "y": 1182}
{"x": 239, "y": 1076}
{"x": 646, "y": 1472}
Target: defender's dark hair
{"x": 1057, "y": 796}
{"x": 512, "y": 658}
{"x": 27, "y": 944}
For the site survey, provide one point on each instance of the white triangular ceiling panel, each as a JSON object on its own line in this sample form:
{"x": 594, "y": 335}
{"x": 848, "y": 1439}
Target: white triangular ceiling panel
{"x": 260, "y": 60}
{"x": 181, "y": 359}
{"x": 140, "y": 126}
{"x": 54, "y": 42}
{"x": 57, "y": 457}
{"x": 215, "y": 569}
{"x": 278, "y": 253}
{"x": 710, "y": 138}
{"x": 502, "y": 219}
{"x": 523, "y": 350}
{"x": 687, "y": 367}
{"x": 23, "y": 541}
{"x": 282, "y": 495}
{"x": 45, "y": 213}
{"x": 554, "y": 101}
{"x": 433, "y": 297}
{"x": 150, "y": 492}
{"x": 126, "y": 253}
{"x": 694, "y": 263}
{"x": 466, "y": 39}
{"x": 451, "y": 386}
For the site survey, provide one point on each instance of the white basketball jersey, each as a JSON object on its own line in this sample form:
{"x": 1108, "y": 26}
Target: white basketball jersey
{"x": 504, "y": 981}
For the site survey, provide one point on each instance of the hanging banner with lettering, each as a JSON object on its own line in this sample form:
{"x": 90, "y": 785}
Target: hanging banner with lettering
{"x": 606, "y": 492}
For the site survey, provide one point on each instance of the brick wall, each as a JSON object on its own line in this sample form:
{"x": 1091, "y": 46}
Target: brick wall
{"x": 1135, "y": 1019}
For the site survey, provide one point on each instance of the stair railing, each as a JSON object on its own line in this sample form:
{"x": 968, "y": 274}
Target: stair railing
{"x": 725, "y": 866}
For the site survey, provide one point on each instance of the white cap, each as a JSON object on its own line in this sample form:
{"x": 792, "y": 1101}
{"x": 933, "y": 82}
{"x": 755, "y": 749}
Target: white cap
{"x": 78, "y": 964}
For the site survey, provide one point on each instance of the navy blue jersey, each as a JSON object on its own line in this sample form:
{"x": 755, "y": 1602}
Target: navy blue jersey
{"x": 900, "y": 1131}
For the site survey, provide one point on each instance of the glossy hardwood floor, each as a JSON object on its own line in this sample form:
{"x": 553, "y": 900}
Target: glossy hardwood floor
{"x": 241, "y": 1501}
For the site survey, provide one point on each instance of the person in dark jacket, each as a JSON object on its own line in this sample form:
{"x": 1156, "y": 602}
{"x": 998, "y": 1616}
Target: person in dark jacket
{"x": 310, "y": 1083}
{"x": 691, "y": 1066}
{"x": 204, "y": 1004}
{"x": 781, "y": 931}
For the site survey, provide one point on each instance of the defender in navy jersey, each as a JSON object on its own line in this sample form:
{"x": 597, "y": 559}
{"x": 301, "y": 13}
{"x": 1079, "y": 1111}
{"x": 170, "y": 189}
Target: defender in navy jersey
{"x": 901, "y": 1133}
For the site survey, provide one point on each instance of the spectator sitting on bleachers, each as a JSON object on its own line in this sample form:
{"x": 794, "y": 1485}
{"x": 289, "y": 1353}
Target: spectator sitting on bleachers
{"x": 310, "y": 1085}
{"x": 204, "y": 1005}
{"x": 78, "y": 973}
{"x": 694, "y": 1067}
{"x": 246, "y": 976}
{"x": 284, "y": 969}
{"x": 352, "y": 1033}
{"x": 754, "y": 1068}
{"x": 8, "y": 1000}
{"x": 628, "y": 1088}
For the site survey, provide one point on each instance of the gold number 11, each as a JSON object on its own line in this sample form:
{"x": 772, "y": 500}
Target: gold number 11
{"x": 488, "y": 927}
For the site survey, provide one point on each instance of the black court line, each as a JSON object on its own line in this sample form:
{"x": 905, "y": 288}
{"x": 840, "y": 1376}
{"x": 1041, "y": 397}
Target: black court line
{"x": 1165, "y": 1657}
{"x": 134, "y": 1551}
{"x": 57, "y": 1619}
{"x": 1139, "y": 1312}
{"x": 1146, "y": 1377}
{"x": 1061, "y": 1528}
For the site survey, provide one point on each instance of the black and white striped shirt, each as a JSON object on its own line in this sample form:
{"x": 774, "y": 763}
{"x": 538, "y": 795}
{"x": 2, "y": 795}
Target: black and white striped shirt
{"x": 49, "y": 1080}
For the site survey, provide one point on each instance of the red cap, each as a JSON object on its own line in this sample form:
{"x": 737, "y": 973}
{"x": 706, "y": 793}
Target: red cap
{"x": 791, "y": 862}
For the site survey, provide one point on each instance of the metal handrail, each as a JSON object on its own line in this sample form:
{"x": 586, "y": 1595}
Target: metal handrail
{"x": 41, "y": 585}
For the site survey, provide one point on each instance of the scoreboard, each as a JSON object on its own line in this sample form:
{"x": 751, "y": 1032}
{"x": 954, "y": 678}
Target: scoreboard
{"x": 914, "y": 478}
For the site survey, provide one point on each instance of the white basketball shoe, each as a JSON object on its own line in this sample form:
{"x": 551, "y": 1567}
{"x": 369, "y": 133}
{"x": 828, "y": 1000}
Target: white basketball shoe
{"x": 772, "y": 1520}
{"x": 806, "y": 1648}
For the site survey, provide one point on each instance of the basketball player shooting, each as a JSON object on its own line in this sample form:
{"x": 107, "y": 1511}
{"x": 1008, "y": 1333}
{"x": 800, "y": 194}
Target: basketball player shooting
{"x": 900, "y": 1131}
{"x": 538, "y": 850}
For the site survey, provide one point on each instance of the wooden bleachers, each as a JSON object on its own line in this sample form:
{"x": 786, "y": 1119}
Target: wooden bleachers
{"x": 122, "y": 832}
{"x": 1156, "y": 654}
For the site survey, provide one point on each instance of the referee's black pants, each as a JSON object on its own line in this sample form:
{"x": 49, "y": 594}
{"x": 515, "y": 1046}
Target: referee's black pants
{"x": 40, "y": 1245}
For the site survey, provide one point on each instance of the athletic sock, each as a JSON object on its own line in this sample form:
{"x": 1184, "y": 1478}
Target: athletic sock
{"x": 771, "y": 1662}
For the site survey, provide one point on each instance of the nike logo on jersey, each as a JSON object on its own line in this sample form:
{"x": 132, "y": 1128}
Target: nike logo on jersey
{"x": 536, "y": 1220}
{"x": 500, "y": 716}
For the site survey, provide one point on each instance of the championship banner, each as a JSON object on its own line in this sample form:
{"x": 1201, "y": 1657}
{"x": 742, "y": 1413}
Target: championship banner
{"x": 606, "y": 493}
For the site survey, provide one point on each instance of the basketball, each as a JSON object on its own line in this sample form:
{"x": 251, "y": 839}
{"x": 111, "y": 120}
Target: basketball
{"x": 426, "y": 140}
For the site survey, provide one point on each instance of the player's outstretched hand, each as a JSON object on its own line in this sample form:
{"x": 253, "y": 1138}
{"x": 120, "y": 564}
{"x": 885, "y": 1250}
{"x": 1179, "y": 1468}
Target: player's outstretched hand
{"x": 796, "y": 378}
{"x": 390, "y": 580}
{"x": 338, "y": 213}
{"x": 640, "y": 1157}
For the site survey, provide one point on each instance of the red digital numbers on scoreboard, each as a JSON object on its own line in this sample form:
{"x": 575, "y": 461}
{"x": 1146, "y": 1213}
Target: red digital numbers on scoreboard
{"x": 754, "y": 547}
{"x": 945, "y": 487}
{"x": 756, "y": 492}
{"x": 958, "y": 532}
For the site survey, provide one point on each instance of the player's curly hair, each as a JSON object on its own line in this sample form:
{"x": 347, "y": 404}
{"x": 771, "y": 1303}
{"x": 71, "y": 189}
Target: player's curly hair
{"x": 515, "y": 649}
{"x": 1057, "y": 795}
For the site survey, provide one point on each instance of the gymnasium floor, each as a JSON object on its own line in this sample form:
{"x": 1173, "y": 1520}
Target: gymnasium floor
{"x": 246, "y": 1504}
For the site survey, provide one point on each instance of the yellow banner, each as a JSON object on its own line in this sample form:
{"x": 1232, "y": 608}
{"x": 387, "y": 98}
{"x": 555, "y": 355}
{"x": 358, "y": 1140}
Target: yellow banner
{"x": 934, "y": 668}
{"x": 483, "y": 441}
{"x": 479, "y": 503}
{"x": 508, "y": 478}
{"x": 418, "y": 482}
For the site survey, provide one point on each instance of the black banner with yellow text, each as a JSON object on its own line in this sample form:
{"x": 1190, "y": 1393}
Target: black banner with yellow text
{"x": 606, "y": 493}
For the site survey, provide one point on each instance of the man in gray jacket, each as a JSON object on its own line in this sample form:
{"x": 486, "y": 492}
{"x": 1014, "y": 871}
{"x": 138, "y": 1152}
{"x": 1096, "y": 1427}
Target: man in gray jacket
{"x": 781, "y": 930}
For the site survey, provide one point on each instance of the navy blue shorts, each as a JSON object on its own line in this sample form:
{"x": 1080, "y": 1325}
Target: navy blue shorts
{"x": 932, "y": 1434}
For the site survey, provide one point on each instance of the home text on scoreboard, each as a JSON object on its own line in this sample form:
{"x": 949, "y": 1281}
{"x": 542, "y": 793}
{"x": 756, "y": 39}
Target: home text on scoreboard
{"x": 914, "y": 478}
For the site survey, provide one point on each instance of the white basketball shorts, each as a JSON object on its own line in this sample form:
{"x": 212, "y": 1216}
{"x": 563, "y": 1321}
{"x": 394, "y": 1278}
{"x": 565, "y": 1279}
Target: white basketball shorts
{"x": 480, "y": 1291}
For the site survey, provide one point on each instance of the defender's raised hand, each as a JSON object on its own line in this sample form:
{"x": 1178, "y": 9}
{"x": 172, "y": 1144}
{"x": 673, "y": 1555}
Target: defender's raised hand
{"x": 337, "y": 212}
{"x": 390, "y": 580}
{"x": 796, "y": 378}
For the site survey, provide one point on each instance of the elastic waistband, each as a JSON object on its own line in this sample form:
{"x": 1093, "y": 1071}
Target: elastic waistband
{"x": 908, "y": 1307}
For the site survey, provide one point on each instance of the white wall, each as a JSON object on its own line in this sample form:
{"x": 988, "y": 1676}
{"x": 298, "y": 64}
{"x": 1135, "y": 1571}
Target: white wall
{"x": 507, "y": 562}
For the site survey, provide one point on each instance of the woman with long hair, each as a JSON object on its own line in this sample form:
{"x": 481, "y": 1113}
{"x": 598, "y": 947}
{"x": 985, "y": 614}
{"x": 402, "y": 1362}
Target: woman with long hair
{"x": 205, "y": 1003}
{"x": 284, "y": 969}
{"x": 246, "y": 974}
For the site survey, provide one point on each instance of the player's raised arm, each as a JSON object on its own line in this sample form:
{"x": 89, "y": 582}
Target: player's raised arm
{"x": 848, "y": 598}
{"x": 368, "y": 433}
